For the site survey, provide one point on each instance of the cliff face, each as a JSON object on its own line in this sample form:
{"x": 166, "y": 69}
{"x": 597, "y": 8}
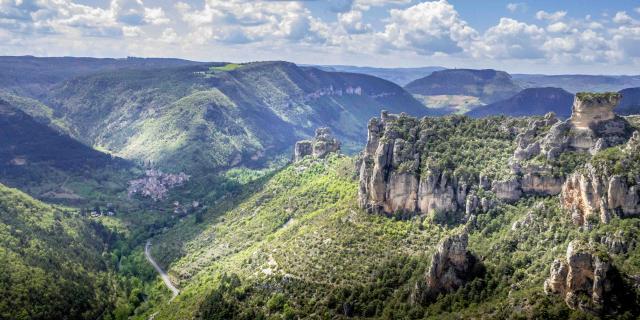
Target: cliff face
{"x": 581, "y": 273}
{"x": 402, "y": 167}
{"x": 390, "y": 175}
{"x": 593, "y": 192}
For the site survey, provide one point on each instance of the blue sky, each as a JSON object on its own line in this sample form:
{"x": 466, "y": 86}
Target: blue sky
{"x": 594, "y": 37}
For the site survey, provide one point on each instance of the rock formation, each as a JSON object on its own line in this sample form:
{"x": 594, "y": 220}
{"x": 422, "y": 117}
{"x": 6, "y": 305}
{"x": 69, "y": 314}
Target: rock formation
{"x": 322, "y": 144}
{"x": 452, "y": 265}
{"x": 583, "y": 273}
{"x": 592, "y": 127}
{"x": 594, "y": 192}
{"x": 390, "y": 177}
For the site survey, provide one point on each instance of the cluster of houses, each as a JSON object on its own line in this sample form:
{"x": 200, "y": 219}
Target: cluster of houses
{"x": 156, "y": 184}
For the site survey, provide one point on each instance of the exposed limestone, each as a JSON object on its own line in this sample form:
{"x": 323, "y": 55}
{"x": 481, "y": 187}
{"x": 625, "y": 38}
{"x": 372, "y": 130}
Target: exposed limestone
{"x": 588, "y": 193}
{"x": 302, "y": 149}
{"x": 452, "y": 265}
{"x": 581, "y": 273}
{"x": 322, "y": 144}
{"x": 390, "y": 177}
{"x": 508, "y": 190}
{"x": 592, "y": 127}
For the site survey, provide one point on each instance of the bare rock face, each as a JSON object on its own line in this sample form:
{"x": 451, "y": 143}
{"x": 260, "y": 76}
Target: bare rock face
{"x": 390, "y": 177}
{"x": 508, "y": 190}
{"x": 593, "y": 108}
{"x": 322, "y": 144}
{"x": 590, "y": 192}
{"x": 452, "y": 265}
{"x": 302, "y": 149}
{"x": 581, "y": 274}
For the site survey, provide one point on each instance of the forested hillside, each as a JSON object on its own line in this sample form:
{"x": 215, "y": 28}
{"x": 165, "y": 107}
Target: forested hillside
{"x": 53, "y": 264}
{"x": 196, "y": 117}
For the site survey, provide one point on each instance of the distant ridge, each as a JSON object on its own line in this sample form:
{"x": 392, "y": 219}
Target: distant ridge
{"x": 529, "y": 102}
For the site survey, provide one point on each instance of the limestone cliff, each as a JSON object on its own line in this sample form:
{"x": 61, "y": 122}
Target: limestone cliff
{"x": 592, "y": 127}
{"x": 322, "y": 144}
{"x": 601, "y": 189}
{"x": 582, "y": 273}
{"x": 391, "y": 179}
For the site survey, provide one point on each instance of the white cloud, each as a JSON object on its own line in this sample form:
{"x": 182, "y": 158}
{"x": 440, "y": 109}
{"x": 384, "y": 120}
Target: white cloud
{"x": 244, "y": 21}
{"x": 351, "y": 22}
{"x": 554, "y": 16}
{"x": 132, "y": 31}
{"x": 169, "y": 36}
{"x": 155, "y": 16}
{"x": 428, "y": 28}
{"x": 622, "y": 17}
{"x": 515, "y": 7}
{"x": 511, "y": 39}
{"x": 558, "y": 27}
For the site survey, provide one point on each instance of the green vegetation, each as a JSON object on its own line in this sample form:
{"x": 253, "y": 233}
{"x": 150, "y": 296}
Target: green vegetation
{"x": 590, "y": 96}
{"x": 295, "y": 245}
{"x": 464, "y": 146}
{"x": 226, "y": 67}
{"x": 53, "y": 262}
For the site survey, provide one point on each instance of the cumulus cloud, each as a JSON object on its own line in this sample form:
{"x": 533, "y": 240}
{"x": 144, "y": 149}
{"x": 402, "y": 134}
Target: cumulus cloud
{"x": 428, "y": 27}
{"x": 511, "y": 39}
{"x": 554, "y": 16}
{"x": 351, "y": 22}
{"x": 622, "y": 17}
{"x": 243, "y": 21}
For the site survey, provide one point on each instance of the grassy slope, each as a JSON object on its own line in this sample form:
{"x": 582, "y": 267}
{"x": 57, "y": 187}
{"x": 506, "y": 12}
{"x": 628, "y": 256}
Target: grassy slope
{"x": 52, "y": 265}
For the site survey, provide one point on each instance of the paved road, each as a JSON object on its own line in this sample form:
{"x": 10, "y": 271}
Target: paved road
{"x": 163, "y": 275}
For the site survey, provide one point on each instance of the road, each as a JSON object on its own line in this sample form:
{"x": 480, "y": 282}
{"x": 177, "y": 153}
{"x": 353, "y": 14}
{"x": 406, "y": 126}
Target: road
{"x": 163, "y": 275}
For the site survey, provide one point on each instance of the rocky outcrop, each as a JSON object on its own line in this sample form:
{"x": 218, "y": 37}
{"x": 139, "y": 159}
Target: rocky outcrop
{"x": 592, "y": 127}
{"x": 391, "y": 179}
{"x": 582, "y": 273}
{"x": 452, "y": 265}
{"x": 593, "y": 192}
{"x": 322, "y": 144}
{"x": 302, "y": 149}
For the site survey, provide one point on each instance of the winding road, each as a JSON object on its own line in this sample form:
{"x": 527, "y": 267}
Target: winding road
{"x": 163, "y": 275}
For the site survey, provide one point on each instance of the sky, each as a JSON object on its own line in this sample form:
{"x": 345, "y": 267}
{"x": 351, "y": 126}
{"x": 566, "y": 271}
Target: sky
{"x": 541, "y": 36}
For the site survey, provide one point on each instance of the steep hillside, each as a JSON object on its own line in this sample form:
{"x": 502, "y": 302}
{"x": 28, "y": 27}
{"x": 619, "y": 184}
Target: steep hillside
{"x": 400, "y": 76}
{"x": 204, "y": 117}
{"x": 529, "y": 102}
{"x": 52, "y": 165}
{"x": 52, "y": 261}
{"x": 487, "y": 85}
{"x": 33, "y": 76}
{"x": 437, "y": 225}
{"x": 576, "y": 83}
{"x": 630, "y": 102}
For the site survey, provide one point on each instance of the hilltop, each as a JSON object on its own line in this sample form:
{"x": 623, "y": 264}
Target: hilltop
{"x": 487, "y": 85}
